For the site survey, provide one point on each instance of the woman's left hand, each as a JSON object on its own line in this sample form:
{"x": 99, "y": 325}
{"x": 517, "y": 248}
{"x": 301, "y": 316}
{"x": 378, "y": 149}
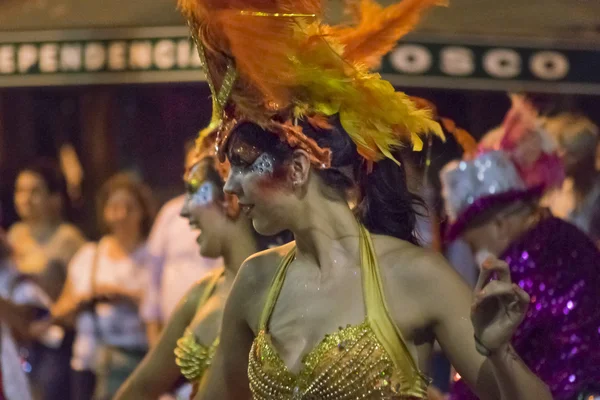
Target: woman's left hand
{"x": 499, "y": 305}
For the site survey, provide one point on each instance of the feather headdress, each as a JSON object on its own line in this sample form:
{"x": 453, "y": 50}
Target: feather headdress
{"x": 531, "y": 148}
{"x": 273, "y": 62}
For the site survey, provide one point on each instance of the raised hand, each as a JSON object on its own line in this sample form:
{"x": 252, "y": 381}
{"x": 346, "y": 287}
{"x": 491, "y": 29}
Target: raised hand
{"x": 499, "y": 306}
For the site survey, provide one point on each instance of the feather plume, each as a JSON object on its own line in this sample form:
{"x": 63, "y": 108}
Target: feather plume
{"x": 291, "y": 65}
{"x": 379, "y": 29}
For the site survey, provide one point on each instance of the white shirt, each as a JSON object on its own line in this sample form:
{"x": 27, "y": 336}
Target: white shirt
{"x": 175, "y": 262}
{"x": 14, "y": 380}
{"x": 113, "y": 324}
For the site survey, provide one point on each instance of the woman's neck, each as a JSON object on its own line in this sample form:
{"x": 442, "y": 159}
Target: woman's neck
{"x": 42, "y": 229}
{"x": 241, "y": 244}
{"x": 325, "y": 230}
{"x": 127, "y": 241}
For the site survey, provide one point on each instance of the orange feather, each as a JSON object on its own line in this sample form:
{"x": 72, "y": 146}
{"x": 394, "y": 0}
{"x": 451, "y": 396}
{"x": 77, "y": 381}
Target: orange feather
{"x": 379, "y": 29}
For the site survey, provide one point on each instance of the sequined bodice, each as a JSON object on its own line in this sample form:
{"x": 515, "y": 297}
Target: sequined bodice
{"x": 192, "y": 357}
{"x": 351, "y": 363}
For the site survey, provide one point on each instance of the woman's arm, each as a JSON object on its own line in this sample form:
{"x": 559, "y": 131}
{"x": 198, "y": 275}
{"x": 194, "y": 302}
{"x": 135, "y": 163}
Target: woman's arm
{"x": 493, "y": 314}
{"x": 227, "y": 378}
{"x": 158, "y": 372}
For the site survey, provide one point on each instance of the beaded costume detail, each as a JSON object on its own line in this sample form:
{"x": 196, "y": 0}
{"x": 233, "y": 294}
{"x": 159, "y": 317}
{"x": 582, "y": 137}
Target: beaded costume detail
{"x": 351, "y": 363}
{"x": 191, "y": 357}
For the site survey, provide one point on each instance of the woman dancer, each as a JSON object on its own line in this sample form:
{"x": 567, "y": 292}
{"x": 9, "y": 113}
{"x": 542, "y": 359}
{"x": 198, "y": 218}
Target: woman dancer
{"x": 193, "y": 331}
{"x": 302, "y": 125}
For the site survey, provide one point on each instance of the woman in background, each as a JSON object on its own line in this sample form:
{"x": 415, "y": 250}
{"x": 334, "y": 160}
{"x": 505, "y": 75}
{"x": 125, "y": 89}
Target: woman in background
{"x": 43, "y": 246}
{"x": 111, "y": 277}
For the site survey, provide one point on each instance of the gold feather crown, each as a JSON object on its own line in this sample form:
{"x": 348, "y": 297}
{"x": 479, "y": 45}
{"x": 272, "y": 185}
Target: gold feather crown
{"x": 274, "y": 62}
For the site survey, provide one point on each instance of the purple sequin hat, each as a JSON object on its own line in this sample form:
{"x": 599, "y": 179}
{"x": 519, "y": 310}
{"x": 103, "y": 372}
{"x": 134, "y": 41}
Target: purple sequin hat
{"x": 471, "y": 187}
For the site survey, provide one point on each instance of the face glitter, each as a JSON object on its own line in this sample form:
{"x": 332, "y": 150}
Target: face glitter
{"x": 263, "y": 165}
{"x": 203, "y": 196}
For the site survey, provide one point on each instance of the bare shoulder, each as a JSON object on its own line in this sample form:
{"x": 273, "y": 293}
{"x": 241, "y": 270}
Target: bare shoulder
{"x": 69, "y": 231}
{"x": 17, "y": 230}
{"x": 194, "y": 294}
{"x": 259, "y": 269}
{"x": 70, "y": 237}
{"x": 407, "y": 259}
{"x": 253, "y": 281}
{"x": 420, "y": 274}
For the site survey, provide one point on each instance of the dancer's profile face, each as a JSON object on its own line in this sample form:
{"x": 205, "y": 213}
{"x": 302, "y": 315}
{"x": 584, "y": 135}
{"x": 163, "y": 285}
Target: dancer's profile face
{"x": 203, "y": 209}
{"x": 261, "y": 185}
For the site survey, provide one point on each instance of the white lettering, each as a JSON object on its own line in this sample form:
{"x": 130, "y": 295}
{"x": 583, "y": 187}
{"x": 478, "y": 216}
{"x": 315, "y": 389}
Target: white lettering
{"x": 70, "y": 57}
{"x": 457, "y": 61}
{"x": 411, "y": 59}
{"x": 94, "y": 57}
{"x": 49, "y": 57}
{"x": 27, "y": 57}
{"x": 164, "y": 54}
{"x": 502, "y": 63}
{"x": 549, "y": 65}
{"x": 183, "y": 53}
{"x": 116, "y": 56}
{"x": 140, "y": 55}
{"x": 7, "y": 59}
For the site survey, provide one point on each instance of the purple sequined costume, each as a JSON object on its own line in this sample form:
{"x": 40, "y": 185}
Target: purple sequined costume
{"x": 560, "y": 338}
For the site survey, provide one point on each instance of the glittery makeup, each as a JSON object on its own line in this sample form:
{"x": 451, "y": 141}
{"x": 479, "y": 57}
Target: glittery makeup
{"x": 203, "y": 195}
{"x": 263, "y": 165}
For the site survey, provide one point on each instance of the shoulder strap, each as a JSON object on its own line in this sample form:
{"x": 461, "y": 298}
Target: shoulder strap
{"x": 210, "y": 287}
{"x": 379, "y": 317}
{"x": 275, "y": 289}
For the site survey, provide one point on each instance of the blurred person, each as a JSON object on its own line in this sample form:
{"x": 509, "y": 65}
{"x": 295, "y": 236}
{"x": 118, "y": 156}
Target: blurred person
{"x": 21, "y": 301}
{"x": 111, "y": 277}
{"x": 493, "y": 204}
{"x": 193, "y": 330}
{"x": 175, "y": 262}
{"x": 578, "y": 200}
{"x": 43, "y": 245}
{"x": 43, "y": 242}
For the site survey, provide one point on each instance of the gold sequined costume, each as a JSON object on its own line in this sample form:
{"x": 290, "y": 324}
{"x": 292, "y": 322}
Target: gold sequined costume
{"x": 192, "y": 357}
{"x": 366, "y": 361}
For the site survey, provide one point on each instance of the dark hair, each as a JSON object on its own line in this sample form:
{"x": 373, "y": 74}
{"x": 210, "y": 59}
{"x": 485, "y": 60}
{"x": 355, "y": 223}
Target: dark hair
{"x": 50, "y": 173}
{"x": 385, "y": 204}
{"x": 138, "y": 189}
